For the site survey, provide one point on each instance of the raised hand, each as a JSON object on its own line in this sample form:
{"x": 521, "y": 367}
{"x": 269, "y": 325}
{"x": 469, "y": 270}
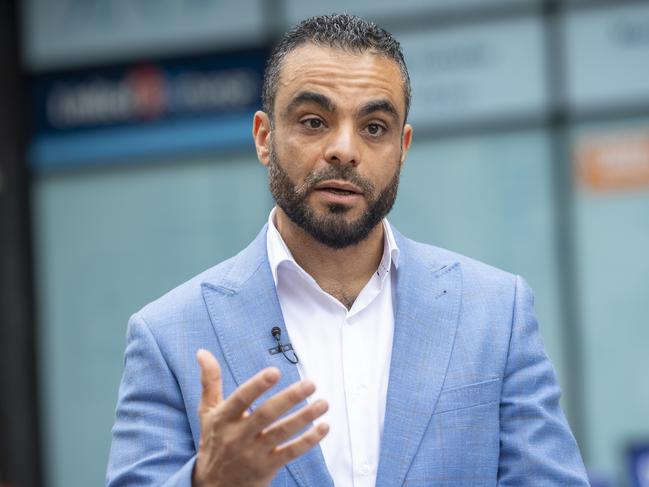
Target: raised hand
{"x": 246, "y": 449}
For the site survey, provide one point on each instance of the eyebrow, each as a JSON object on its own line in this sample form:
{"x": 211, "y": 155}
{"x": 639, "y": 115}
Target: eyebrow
{"x": 327, "y": 104}
{"x": 379, "y": 106}
{"x": 310, "y": 97}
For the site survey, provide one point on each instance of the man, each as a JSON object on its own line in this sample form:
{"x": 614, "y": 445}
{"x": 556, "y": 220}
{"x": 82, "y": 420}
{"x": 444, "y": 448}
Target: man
{"x": 429, "y": 366}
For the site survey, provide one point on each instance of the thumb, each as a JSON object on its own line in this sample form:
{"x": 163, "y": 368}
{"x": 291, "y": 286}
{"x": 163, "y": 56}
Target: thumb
{"x": 210, "y": 380}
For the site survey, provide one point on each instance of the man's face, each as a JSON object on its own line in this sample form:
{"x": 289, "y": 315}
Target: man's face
{"x": 338, "y": 142}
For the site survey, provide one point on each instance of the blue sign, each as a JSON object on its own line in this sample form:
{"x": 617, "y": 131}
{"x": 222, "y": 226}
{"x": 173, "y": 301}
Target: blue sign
{"x": 113, "y": 114}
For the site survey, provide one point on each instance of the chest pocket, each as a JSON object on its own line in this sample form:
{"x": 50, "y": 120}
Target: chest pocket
{"x": 469, "y": 395}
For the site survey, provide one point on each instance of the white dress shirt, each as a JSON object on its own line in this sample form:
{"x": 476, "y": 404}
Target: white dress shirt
{"x": 346, "y": 353}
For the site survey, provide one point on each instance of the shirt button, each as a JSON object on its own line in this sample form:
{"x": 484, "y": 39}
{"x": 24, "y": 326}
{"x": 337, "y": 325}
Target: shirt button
{"x": 365, "y": 469}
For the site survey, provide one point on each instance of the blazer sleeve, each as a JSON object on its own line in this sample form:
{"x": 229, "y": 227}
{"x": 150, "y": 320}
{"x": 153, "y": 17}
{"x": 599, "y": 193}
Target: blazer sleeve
{"x": 536, "y": 444}
{"x": 151, "y": 440}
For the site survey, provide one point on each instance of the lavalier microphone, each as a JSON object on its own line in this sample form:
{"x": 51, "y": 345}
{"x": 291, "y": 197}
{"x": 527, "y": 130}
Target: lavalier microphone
{"x": 277, "y": 335}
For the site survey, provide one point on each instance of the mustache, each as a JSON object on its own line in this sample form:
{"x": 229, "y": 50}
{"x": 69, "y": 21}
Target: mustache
{"x": 341, "y": 173}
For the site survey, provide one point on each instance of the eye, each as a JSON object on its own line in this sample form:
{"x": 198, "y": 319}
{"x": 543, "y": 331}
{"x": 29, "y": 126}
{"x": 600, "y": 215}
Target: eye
{"x": 312, "y": 123}
{"x": 375, "y": 129}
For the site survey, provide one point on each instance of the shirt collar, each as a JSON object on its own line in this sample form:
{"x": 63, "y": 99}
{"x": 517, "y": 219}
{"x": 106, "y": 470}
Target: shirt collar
{"x": 278, "y": 252}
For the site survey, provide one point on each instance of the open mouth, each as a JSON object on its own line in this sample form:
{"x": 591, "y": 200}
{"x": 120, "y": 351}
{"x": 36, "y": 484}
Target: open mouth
{"x": 341, "y": 188}
{"x": 338, "y": 191}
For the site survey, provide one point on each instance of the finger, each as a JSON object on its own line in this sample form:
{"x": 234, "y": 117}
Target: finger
{"x": 277, "y": 405}
{"x": 286, "y": 428}
{"x": 293, "y": 449}
{"x": 244, "y": 395}
{"x": 210, "y": 380}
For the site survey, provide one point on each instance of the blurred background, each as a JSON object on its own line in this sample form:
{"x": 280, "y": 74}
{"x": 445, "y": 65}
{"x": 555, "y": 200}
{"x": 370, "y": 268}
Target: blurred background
{"x": 127, "y": 166}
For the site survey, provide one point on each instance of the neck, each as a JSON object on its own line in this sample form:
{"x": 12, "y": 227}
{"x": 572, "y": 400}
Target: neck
{"x": 340, "y": 272}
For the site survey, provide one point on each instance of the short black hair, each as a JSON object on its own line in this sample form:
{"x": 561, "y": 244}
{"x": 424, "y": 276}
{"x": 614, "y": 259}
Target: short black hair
{"x": 340, "y": 31}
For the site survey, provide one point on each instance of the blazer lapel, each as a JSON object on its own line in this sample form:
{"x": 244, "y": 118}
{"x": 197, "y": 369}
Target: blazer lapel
{"x": 428, "y": 296}
{"x": 244, "y": 307}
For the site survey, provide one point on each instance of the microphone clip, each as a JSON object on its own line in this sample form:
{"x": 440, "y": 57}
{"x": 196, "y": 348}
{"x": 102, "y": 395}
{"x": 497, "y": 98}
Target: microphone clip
{"x": 277, "y": 335}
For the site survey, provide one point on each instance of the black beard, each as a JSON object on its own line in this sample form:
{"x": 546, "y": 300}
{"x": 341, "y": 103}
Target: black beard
{"x": 331, "y": 230}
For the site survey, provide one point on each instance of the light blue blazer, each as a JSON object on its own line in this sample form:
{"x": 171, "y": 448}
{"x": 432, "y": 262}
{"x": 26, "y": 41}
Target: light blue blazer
{"x": 472, "y": 397}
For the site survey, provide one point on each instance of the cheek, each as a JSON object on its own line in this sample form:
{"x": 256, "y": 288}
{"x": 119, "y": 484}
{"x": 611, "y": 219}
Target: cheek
{"x": 385, "y": 164}
{"x": 298, "y": 157}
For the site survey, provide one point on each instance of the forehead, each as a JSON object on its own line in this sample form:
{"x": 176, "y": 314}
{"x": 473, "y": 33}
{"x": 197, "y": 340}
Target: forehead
{"x": 339, "y": 74}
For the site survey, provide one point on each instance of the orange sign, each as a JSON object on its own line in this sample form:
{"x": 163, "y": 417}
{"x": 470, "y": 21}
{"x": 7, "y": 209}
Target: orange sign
{"x": 613, "y": 162}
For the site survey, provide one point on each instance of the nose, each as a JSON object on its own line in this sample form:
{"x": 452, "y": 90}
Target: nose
{"x": 342, "y": 147}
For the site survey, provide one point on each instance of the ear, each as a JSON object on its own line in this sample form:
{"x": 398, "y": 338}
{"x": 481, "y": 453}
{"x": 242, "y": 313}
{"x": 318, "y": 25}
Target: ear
{"x": 406, "y": 140}
{"x": 261, "y": 134}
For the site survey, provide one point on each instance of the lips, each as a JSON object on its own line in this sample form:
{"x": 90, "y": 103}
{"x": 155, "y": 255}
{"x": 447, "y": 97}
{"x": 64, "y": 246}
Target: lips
{"x": 339, "y": 187}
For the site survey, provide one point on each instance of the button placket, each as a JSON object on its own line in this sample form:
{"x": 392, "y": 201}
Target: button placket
{"x": 356, "y": 393}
